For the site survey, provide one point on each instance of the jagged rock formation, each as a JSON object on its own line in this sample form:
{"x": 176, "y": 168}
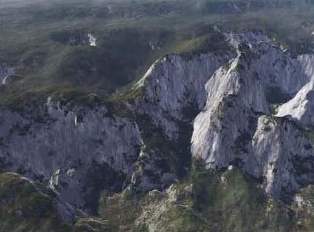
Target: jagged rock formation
{"x": 300, "y": 107}
{"x": 175, "y": 83}
{"x": 78, "y": 152}
{"x": 248, "y": 105}
{"x": 236, "y": 127}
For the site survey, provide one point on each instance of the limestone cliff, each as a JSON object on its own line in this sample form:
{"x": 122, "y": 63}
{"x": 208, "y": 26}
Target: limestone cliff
{"x": 247, "y": 106}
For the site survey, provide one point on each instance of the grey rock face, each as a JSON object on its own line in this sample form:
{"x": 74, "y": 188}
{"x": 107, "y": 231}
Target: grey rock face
{"x": 173, "y": 91}
{"x": 301, "y": 107}
{"x": 70, "y": 149}
{"x": 78, "y": 152}
{"x": 282, "y": 154}
{"x": 229, "y": 129}
{"x": 5, "y": 73}
{"x": 251, "y": 108}
{"x": 175, "y": 83}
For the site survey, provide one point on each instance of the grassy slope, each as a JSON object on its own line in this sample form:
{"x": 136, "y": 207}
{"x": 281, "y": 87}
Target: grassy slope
{"x": 35, "y": 39}
{"x": 206, "y": 201}
{"x": 209, "y": 201}
{"x": 24, "y": 208}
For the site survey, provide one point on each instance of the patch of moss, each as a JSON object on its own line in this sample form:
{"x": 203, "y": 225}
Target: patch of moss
{"x": 225, "y": 200}
{"x": 232, "y": 201}
{"x": 23, "y": 207}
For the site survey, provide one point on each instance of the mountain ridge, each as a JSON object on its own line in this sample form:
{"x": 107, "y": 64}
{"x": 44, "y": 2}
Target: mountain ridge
{"x": 144, "y": 143}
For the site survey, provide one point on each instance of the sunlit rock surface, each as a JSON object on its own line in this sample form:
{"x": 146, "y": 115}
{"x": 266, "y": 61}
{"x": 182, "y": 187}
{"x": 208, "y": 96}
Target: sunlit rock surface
{"x": 248, "y": 107}
{"x": 238, "y": 126}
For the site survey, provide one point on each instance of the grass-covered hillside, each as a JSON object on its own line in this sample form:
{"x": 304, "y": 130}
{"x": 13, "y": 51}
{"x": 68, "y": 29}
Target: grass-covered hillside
{"x": 225, "y": 201}
{"x": 23, "y": 207}
{"x": 48, "y": 42}
{"x": 200, "y": 203}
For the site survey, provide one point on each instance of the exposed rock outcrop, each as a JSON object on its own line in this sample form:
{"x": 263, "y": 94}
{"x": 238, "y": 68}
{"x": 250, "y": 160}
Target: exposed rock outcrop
{"x": 78, "y": 152}
{"x": 175, "y": 83}
{"x": 5, "y": 73}
{"x": 231, "y": 128}
{"x": 251, "y": 105}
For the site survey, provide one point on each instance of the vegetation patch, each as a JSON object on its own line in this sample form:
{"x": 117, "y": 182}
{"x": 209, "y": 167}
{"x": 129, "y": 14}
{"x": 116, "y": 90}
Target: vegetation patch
{"x": 24, "y": 208}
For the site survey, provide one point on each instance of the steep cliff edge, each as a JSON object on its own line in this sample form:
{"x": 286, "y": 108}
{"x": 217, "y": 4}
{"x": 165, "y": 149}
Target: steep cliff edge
{"x": 76, "y": 152}
{"x": 237, "y": 125}
{"x": 247, "y": 107}
{"x": 80, "y": 151}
